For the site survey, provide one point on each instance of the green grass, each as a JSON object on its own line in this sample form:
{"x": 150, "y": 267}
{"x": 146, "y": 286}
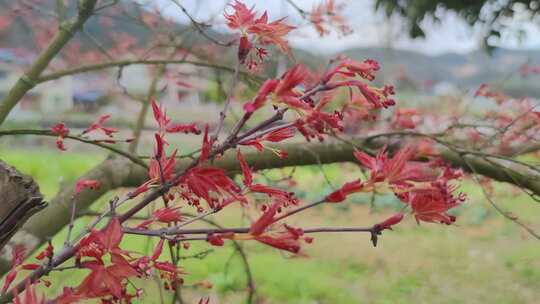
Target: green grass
{"x": 50, "y": 168}
{"x": 481, "y": 259}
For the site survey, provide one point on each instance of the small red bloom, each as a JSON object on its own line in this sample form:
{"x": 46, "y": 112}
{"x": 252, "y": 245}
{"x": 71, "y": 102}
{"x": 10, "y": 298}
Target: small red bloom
{"x": 60, "y": 130}
{"x": 280, "y": 134}
{"x": 350, "y": 68}
{"x": 167, "y": 215}
{"x": 276, "y": 135}
{"x": 283, "y": 197}
{"x": 288, "y": 240}
{"x": 389, "y": 222}
{"x": 160, "y": 170}
{"x": 98, "y": 125}
{"x": 398, "y": 171}
{"x": 244, "y": 47}
{"x": 215, "y": 240}
{"x": 283, "y": 90}
{"x": 203, "y": 182}
{"x": 100, "y": 242}
{"x": 265, "y": 90}
{"x": 48, "y": 252}
{"x": 86, "y": 184}
{"x": 265, "y": 220}
{"x": 169, "y": 272}
{"x": 341, "y": 194}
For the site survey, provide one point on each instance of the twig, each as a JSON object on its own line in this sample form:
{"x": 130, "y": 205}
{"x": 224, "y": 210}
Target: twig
{"x": 98, "y": 143}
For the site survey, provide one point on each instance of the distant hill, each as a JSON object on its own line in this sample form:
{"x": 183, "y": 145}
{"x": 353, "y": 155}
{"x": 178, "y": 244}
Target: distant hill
{"x": 463, "y": 70}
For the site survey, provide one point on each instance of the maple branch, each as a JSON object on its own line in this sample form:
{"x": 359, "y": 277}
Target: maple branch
{"x": 199, "y": 26}
{"x": 327, "y": 153}
{"x": 136, "y": 160}
{"x": 128, "y": 62}
{"x": 501, "y": 211}
{"x": 239, "y": 230}
{"x": 300, "y": 209}
{"x": 116, "y": 172}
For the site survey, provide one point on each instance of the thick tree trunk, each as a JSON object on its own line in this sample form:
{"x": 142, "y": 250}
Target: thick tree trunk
{"x": 20, "y": 199}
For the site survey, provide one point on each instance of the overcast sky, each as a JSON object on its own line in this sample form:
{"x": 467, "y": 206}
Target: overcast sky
{"x": 370, "y": 28}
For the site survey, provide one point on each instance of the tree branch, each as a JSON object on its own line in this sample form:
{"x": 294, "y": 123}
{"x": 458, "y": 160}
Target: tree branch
{"x": 128, "y": 62}
{"x": 131, "y": 157}
{"x": 30, "y": 79}
{"x": 115, "y": 173}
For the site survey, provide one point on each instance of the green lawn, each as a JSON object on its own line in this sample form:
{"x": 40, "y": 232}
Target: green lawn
{"x": 481, "y": 259}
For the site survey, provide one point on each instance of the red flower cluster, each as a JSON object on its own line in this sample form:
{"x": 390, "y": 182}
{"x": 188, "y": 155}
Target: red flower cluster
{"x": 429, "y": 194}
{"x": 295, "y": 90}
{"x": 281, "y": 91}
{"x": 398, "y": 172}
{"x": 281, "y": 197}
{"x": 276, "y": 135}
{"x": 288, "y": 240}
{"x": 424, "y": 187}
{"x": 163, "y": 215}
{"x": 161, "y": 168}
{"x": 316, "y": 123}
{"x": 210, "y": 184}
{"x": 60, "y": 130}
{"x": 349, "y": 69}
{"x": 256, "y": 31}
{"x": 104, "y": 280}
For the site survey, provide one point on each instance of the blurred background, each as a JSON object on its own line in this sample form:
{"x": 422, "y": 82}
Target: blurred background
{"x": 436, "y": 64}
